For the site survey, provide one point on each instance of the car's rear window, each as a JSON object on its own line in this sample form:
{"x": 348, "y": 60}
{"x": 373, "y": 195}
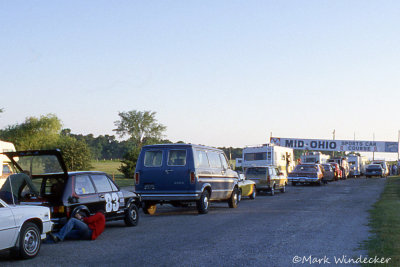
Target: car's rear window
{"x": 256, "y": 171}
{"x": 305, "y": 168}
{"x": 83, "y": 185}
{"x": 177, "y": 157}
{"x": 153, "y": 158}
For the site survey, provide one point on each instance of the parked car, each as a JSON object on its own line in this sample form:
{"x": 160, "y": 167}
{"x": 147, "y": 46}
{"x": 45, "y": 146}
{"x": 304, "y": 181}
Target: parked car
{"x": 44, "y": 180}
{"x": 384, "y": 165}
{"x": 267, "y": 178}
{"x": 329, "y": 173}
{"x": 374, "y": 170}
{"x": 337, "y": 171}
{"x": 247, "y": 187}
{"x": 181, "y": 174}
{"x": 22, "y": 228}
{"x": 306, "y": 173}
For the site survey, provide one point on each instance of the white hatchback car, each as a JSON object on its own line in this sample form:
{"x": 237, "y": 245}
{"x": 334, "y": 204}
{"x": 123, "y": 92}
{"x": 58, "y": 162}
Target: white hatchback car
{"x": 22, "y": 228}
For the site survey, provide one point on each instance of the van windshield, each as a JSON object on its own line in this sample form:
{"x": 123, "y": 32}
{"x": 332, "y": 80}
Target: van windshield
{"x": 256, "y": 172}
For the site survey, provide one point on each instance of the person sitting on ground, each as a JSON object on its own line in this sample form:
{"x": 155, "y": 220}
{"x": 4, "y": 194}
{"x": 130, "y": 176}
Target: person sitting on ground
{"x": 81, "y": 228}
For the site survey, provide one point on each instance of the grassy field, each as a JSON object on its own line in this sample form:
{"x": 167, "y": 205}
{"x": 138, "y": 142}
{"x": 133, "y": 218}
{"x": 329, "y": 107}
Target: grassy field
{"x": 111, "y": 167}
{"x": 385, "y": 224}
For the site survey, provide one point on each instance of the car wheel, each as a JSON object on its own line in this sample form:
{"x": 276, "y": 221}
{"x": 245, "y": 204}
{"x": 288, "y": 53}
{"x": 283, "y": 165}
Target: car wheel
{"x": 131, "y": 215}
{"x": 203, "y": 203}
{"x": 29, "y": 241}
{"x": 233, "y": 200}
{"x": 272, "y": 192}
{"x": 149, "y": 208}
{"x": 283, "y": 189}
{"x": 293, "y": 183}
{"x": 254, "y": 194}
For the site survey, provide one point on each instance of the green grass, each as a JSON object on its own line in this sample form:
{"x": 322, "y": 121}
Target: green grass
{"x": 385, "y": 224}
{"x": 111, "y": 168}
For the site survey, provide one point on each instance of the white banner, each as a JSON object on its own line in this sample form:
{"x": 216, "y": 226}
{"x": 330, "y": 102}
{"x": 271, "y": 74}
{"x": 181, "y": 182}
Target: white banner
{"x": 337, "y": 145}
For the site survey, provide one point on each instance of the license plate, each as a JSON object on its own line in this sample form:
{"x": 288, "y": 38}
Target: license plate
{"x": 149, "y": 187}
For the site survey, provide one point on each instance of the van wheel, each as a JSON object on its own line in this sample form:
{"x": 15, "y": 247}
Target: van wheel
{"x": 283, "y": 189}
{"x": 149, "y": 208}
{"x": 131, "y": 215}
{"x": 203, "y": 203}
{"x": 253, "y": 195}
{"x": 233, "y": 200}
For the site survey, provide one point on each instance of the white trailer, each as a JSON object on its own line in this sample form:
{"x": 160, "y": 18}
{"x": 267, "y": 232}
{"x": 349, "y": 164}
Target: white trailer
{"x": 5, "y": 166}
{"x": 269, "y": 155}
{"x": 314, "y": 157}
{"x": 356, "y": 164}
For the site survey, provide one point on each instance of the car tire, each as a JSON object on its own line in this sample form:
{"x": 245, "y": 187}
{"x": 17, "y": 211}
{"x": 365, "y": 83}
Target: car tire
{"x": 131, "y": 215}
{"x": 283, "y": 189}
{"x": 29, "y": 242}
{"x": 149, "y": 208}
{"x": 203, "y": 203}
{"x": 233, "y": 200}
{"x": 272, "y": 192}
{"x": 254, "y": 194}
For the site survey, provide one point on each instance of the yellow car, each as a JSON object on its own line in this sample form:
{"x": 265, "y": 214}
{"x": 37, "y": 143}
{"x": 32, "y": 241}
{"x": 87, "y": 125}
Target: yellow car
{"x": 267, "y": 178}
{"x": 247, "y": 188}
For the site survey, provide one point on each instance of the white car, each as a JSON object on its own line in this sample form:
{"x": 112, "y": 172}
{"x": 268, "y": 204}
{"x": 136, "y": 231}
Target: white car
{"x": 22, "y": 228}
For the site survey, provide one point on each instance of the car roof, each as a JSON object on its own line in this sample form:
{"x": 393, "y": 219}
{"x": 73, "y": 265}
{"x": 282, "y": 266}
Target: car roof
{"x": 181, "y": 145}
{"x": 83, "y": 172}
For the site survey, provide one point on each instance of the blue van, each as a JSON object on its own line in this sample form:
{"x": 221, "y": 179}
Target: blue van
{"x": 181, "y": 174}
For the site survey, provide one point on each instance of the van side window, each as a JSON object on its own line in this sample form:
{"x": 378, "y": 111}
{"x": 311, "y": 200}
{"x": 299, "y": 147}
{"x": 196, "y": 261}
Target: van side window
{"x": 153, "y": 158}
{"x": 224, "y": 161}
{"x": 215, "y": 161}
{"x": 201, "y": 159}
{"x": 83, "y": 185}
{"x": 177, "y": 158}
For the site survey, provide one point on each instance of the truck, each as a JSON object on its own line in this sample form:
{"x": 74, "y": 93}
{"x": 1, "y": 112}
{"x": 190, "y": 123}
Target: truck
{"x": 357, "y": 165}
{"x": 269, "y": 155}
{"x": 5, "y": 164}
{"x": 314, "y": 157}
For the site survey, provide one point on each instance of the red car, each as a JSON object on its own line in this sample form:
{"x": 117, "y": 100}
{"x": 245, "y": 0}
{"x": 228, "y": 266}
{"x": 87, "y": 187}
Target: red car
{"x": 338, "y": 171}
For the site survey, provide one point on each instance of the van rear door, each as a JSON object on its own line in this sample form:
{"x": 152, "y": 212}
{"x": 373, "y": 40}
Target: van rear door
{"x": 165, "y": 170}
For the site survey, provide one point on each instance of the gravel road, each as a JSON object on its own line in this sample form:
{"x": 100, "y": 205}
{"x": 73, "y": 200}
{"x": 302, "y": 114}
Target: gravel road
{"x": 322, "y": 221}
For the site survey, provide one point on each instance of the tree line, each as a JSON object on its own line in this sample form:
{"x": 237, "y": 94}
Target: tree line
{"x": 139, "y": 128}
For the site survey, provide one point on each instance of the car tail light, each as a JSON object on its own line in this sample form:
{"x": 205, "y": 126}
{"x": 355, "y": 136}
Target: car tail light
{"x": 59, "y": 209}
{"x": 137, "y": 178}
{"x": 192, "y": 177}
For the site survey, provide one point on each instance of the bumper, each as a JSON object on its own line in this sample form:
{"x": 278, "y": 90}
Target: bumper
{"x": 170, "y": 197}
{"x": 303, "y": 179}
{"x": 47, "y": 227}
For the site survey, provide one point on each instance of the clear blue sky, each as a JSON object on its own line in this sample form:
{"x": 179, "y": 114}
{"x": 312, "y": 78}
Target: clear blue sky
{"x": 220, "y": 73}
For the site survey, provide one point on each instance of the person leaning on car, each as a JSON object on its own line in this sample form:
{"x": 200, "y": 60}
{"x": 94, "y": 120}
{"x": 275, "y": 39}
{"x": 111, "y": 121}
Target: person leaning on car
{"x": 81, "y": 228}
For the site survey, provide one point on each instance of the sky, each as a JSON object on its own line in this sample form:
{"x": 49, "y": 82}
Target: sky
{"x": 219, "y": 73}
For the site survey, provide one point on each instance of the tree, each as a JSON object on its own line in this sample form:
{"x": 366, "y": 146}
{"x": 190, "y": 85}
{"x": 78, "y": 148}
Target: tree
{"x": 76, "y": 153}
{"x": 141, "y": 127}
{"x": 1, "y": 110}
{"x": 34, "y": 133}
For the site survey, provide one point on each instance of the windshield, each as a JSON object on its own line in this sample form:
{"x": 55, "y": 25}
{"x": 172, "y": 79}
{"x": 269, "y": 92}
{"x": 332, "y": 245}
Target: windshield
{"x": 305, "y": 168}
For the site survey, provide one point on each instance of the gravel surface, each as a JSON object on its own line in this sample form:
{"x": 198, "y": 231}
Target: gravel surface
{"x": 318, "y": 221}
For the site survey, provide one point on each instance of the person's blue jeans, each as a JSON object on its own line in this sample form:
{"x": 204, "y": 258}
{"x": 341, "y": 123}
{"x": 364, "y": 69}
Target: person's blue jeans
{"x": 74, "y": 229}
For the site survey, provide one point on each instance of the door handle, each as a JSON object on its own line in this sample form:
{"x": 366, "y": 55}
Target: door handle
{"x": 168, "y": 171}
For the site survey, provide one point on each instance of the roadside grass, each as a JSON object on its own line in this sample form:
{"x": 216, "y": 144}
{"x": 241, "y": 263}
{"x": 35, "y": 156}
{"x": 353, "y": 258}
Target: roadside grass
{"x": 111, "y": 168}
{"x": 385, "y": 224}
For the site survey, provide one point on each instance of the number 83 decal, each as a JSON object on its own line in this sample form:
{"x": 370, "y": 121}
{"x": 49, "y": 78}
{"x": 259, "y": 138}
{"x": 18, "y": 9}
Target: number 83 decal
{"x": 112, "y": 202}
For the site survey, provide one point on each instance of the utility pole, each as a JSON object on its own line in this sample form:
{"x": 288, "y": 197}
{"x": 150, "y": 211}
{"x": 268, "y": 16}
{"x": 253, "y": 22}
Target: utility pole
{"x": 333, "y": 133}
{"x": 373, "y": 153}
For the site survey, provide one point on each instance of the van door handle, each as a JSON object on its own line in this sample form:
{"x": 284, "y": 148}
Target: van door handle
{"x": 168, "y": 171}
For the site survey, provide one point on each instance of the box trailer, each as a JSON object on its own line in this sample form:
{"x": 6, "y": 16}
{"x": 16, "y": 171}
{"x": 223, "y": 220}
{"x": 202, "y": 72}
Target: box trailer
{"x": 314, "y": 157}
{"x": 269, "y": 155}
{"x": 5, "y": 166}
{"x": 356, "y": 165}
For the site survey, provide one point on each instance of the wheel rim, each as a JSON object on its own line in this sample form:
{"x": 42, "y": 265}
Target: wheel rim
{"x": 205, "y": 202}
{"x": 240, "y": 196}
{"x": 235, "y": 197}
{"x": 31, "y": 242}
{"x": 133, "y": 214}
